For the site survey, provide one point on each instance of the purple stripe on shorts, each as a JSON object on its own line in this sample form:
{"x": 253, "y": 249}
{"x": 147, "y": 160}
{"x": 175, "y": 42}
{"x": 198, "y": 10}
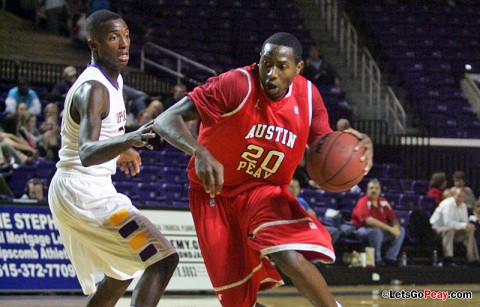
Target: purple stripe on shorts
{"x": 128, "y": 228}
{"x": 148, "y": 252}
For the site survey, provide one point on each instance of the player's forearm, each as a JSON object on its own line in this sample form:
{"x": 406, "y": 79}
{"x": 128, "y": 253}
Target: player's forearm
{"x": 172, "y": 128}
{"x": 98, "y": 152}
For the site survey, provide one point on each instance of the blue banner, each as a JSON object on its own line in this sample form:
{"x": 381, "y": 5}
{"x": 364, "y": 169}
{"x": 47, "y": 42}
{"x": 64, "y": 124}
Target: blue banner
{"x": 32, "y": 257}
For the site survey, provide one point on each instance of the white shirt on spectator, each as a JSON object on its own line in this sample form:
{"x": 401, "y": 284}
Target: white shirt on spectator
{"x": 448, "y": 215}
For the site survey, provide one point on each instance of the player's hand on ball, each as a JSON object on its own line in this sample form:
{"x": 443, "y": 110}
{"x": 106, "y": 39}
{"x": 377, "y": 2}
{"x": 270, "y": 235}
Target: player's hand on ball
{"x": 210, "y": 171}
{"x": 129, "y": 162}
{"x": 365, "y": 142}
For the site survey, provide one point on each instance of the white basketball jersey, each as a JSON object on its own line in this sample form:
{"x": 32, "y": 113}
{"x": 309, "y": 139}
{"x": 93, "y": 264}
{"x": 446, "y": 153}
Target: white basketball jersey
{"x": 112, "y": 125}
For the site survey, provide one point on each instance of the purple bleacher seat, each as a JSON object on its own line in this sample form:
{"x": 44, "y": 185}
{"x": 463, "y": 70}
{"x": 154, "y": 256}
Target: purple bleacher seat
{"x": 409, "y": 201}
{"x": 128, "y": 188}
{"x": 407, "y": 186}
{"x": 349, "y": 200}
{"x": 172, "y": 191}
{"x": 151, "y": 157}
{"x": 19, "y": 177}
{"x": 427, "y": 203}
{"x": 421, "y": 187}
{"x": 44, "y": 168}
{"x": 175, "y": 174}
{"x": 327, "y": 201}
{"x": 390, "y": 185}
{"x": 312, "y": 196}
{"x": 150, "y": 173}
{"x": 393, "y": 199}
{"x": 149, "y": 191}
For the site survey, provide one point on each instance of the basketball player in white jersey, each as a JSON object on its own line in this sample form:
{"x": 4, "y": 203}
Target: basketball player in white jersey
{"x": 102, "y": 231}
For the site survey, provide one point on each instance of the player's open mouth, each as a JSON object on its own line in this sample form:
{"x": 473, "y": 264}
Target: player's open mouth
{"x": 123, "y": 57}
{"x": 271, "y": 87}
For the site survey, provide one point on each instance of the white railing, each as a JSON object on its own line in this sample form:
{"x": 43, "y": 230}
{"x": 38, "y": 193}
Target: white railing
{"x": 370, "y": 76}
{"x": 180, "y": 60}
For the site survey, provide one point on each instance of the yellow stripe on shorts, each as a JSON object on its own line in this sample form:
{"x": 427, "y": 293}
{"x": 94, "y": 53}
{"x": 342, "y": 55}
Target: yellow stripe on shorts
{"x": 119, "y": 217}
{"x": 137, "y": 241}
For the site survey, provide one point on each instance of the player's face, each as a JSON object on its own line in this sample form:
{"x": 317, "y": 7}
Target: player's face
{"x": 277, "y": 70}
{"x": 111, "y": 44}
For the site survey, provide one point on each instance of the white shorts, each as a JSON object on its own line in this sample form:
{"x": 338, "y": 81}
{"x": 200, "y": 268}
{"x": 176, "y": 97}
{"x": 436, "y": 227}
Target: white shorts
{"x": 103, "y": 233}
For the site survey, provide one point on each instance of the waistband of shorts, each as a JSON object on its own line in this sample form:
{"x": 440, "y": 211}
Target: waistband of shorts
{"x": 69, "y": 172}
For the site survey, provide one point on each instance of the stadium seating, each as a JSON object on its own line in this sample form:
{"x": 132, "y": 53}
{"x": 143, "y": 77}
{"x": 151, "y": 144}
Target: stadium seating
{"x": 427, "y": 45}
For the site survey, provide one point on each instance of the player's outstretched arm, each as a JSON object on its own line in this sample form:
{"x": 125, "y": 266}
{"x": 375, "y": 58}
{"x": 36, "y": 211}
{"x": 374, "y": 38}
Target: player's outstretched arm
{"x": 90, "y": 106}
{"x": 171, "y": 126}
{"x": 366, "y": 143}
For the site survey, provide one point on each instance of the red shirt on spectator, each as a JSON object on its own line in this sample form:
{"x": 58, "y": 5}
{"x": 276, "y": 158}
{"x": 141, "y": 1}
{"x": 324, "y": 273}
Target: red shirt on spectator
{"x": 435, "y": 193}
{"x": 364, "y": 209}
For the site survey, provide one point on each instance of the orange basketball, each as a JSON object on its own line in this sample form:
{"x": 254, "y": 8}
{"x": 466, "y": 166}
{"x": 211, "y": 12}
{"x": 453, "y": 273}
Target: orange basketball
{"x": 333, "y": 163}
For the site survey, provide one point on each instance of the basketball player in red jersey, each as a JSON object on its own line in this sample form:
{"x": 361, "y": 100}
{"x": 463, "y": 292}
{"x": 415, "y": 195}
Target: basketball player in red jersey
{"x": 256, "y": 123}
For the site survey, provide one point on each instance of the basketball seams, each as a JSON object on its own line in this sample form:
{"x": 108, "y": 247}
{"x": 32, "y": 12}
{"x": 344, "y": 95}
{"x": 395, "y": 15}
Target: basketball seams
{"x": 342, "y": 160}
{"x": 344, "y": 164}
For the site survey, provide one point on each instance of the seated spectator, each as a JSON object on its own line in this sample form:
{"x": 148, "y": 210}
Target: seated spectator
{"x": 294, "y": 188}
{"x": 317, "y": 70}
{"x": 48, "y": 143}
{"x": 438, "y": 187}
{"x": 450, "y": 221}
{"x": 34, "y": 190}
{"x": 376, "y": 222}
{"x": 15, "y": 149}
{"x": 27, "y": 129}
{"x": 458, "y": 178}
{"x": 178, "y": 92}
{"x": 22, "y": 93}
{"x": 60, "y": 89}
{"x": 136, "y": 100}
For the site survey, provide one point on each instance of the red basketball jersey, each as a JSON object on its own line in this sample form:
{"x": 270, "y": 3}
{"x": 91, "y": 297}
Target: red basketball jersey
{"x": 257, "y": 140}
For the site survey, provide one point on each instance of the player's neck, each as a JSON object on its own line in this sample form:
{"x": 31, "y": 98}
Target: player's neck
{"x": 111, "y": 75}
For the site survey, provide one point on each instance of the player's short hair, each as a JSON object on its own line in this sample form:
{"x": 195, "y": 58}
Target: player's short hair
{"x": 94, "y": 21}
{"x": 287, "y": 40}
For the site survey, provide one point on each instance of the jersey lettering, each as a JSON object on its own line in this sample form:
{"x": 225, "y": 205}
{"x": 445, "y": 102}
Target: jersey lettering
{"x": 278, "y": 134}
{"x": 258, "y": 165}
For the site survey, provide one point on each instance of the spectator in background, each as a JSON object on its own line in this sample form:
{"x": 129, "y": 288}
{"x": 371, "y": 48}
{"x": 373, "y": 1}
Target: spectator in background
{"x": 27, "y": 129}
{"x": 136, "y": 100}
{"x": 294, "y": 188}
{"x": 60, "y": 89}
{"x": 376, "y": 222}
{"x": 343, "y": 124}
{"x": 458, "y": 178}
{"x": 438, "y": 187}
{"x": 302, "y": 175}
{"x": 450, "y": 221}
{"x": 34, "y": 190}
{"x": 23, "y": 93}
{"x": 56, "y": 12}
{"x": 178, "y": 92}
{"x": 318, "y": 70}
{"x": 49, "y": 143}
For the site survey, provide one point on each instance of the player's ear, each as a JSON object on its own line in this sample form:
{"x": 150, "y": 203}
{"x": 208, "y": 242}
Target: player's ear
{"x": 91, "y": 44}
{"x": 299, "y": 67}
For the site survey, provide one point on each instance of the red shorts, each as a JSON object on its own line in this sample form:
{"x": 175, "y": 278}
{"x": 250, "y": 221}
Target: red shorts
{"x": 238, "y": 232}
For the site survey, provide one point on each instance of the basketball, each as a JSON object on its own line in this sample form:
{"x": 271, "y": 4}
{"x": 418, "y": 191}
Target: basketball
{"x": 333, "y": 164}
